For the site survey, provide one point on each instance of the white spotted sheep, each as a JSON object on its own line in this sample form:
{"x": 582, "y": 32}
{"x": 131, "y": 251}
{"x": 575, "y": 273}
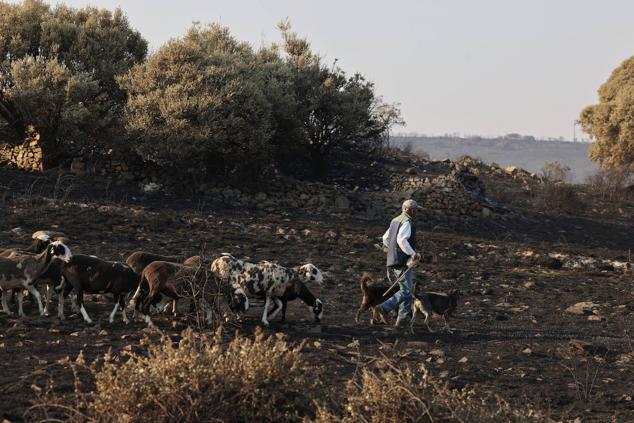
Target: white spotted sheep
{"x": 264, "y": 280}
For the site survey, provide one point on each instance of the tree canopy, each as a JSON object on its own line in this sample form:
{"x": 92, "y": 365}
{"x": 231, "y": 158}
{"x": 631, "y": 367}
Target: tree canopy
{"x": 204, "y": 104}
{"x": 611, "y": 122}
{"x": 77, "y": 50}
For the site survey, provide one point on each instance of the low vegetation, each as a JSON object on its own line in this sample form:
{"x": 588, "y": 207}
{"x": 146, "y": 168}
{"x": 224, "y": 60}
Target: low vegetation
{"x": 201, "y": 378}
{"x": 198, "y": 378}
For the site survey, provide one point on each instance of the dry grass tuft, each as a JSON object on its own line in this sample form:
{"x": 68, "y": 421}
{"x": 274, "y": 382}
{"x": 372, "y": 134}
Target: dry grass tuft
{"x": 401, "y": 394}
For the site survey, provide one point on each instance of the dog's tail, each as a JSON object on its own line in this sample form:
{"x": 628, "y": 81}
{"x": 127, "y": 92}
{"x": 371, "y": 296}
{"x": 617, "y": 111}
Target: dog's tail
{"x": 365, "y": 280}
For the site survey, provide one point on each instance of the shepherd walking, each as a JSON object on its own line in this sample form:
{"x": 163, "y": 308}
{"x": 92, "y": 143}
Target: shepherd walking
{"x": 400, "y": 240}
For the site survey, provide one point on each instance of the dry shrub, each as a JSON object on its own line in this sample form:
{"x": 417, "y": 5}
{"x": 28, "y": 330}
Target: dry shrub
{"x": 401, "y": 394}
{"x": 611, "y": 184}
{"x": 558, "y": 197}
{"x": 555, "y": 172}
{"x": 198, "y": 379}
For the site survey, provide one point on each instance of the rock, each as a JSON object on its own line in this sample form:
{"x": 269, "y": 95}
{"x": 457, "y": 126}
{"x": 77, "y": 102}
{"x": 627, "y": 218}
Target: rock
{"x": 584, "y": 308}
{"x": 437, "y": 353}
{"x": 151, "y": 187}
{"x": 411, "y": 171}
{"x": 511, "y": 170}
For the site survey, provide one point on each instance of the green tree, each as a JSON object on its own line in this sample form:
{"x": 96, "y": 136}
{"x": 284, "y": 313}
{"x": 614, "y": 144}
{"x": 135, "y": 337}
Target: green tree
{"x": 58, "y": 102}
{"x": 197, "y": 104}
{"x": 611, "y": 122}
{"x": 79, "y": 50}
{"x": 334, "y": 111}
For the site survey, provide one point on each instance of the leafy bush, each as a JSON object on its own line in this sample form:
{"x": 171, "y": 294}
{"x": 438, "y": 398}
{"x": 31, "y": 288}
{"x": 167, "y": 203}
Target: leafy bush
{"x": 55, "y": 101}
{"x": 196, "y": 105}
{"x": 334, "y": 111}
{"x": 199, "y": 379}
{"x": 58, "y": 68}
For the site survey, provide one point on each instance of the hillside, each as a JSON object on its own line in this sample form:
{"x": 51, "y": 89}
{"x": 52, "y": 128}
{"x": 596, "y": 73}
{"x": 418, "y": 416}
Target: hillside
{"x": 529, "y": 154}
{"x": 546, "y": 295}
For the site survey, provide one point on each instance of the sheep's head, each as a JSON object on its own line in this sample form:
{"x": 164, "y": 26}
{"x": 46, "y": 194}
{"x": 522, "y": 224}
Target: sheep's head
{"x": 310, "y": 273}
{"x": 60, "y": 251}
{"x": 239, "y": 302}
{"x": 318, "y": 309}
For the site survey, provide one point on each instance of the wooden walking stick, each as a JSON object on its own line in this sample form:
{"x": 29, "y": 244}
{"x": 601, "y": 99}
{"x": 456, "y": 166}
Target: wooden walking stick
{"x": 410, "y": 265}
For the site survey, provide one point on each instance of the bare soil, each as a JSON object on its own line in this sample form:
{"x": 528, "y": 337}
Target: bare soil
{"x": 512, "y": 335}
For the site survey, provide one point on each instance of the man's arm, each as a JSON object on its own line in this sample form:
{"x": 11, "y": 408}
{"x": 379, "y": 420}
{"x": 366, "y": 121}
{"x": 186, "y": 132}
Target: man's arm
{"x": 386, "y": 235}
{"x": 402, "y": 239}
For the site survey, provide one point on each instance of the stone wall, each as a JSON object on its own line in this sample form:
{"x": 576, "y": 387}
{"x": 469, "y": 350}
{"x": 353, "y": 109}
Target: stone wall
{"x": 26, "y": 156}
{"x": 458, "y": 194}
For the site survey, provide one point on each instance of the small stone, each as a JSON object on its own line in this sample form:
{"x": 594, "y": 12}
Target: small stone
{"x": 584, "y": 308}
{"x": 463, "y": 360}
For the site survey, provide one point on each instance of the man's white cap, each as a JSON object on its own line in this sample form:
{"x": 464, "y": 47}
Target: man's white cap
{"x": 410, "y": 204}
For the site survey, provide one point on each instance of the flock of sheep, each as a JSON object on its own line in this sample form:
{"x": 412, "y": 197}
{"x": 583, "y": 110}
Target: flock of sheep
{"x": 150, "y": 281}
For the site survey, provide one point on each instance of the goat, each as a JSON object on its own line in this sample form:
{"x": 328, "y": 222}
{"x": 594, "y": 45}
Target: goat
{"x": 21, "y": 272}
{"x": 264, "y": 279}
{"x": 169, "y": 279}
{"x": 96, "y": 276}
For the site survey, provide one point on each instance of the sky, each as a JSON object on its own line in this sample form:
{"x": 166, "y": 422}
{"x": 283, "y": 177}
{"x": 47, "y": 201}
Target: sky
{"x": 481, "y": 67}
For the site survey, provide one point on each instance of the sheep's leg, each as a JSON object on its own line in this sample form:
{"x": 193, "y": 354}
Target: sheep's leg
{"x": 122, "y": 304}
{"x": 447, "y": 328}
{"x": 135, "y": 297}
{"x": 20, "y": 300}
{"x": 174, "y": 307}
{"x": 82, "y": 310}
{"x": 278, "y": 308}
{"x": 5, "y": 306}
{"x": 114, "y": 311}
{"x": 74, "y": 305}
{"x": 284, "y": 311}
{"x": 49, "y": 297}
{"x": 37, "y": 296}
{"x": 60, "y": 300}
{"x": 267, "y": 304}
{"x": 148, "y": 320}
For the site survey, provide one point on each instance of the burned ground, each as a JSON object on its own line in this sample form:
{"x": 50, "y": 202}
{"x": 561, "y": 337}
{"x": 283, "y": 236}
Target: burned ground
{"x": 513, "y": 335}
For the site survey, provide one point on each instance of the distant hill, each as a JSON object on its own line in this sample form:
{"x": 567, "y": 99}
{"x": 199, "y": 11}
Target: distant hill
{"x": 522, "y": 151}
